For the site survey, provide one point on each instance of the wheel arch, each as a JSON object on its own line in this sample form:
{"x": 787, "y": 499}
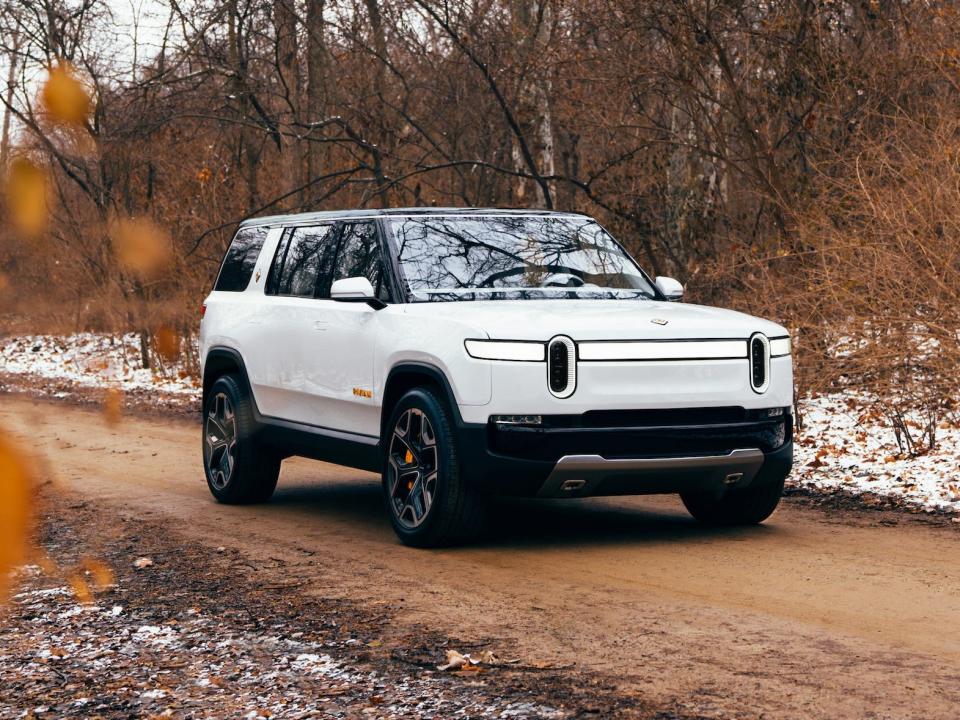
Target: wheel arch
{"x": 408, "y": 375}
{"x": 222, "y": 361}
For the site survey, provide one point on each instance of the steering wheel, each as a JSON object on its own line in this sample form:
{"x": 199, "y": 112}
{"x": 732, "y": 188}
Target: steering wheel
{"x": 562, "y": 280}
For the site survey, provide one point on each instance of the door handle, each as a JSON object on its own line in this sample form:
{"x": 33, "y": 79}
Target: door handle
{"x": 320, "y": 324}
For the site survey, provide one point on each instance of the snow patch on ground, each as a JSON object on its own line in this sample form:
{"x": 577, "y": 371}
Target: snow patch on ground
{"x": 844, "y": 447}
{"x": 91, "y": 360}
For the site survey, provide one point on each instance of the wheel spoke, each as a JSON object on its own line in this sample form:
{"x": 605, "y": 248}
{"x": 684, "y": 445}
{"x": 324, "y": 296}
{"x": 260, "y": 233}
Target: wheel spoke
{"x": 417, "y": 504}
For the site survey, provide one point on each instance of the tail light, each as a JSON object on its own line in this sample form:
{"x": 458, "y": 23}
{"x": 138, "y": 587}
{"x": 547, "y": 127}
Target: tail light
{"x": 203, "y": 310}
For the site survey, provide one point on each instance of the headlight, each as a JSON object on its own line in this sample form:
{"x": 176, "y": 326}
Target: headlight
{"x": 505, "y": 350}
{"x": 780, "y": 346}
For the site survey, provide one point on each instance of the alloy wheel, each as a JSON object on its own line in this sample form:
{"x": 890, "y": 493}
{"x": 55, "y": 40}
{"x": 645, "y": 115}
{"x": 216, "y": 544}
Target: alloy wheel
{"x": 220, "y": 441}
{"x": 413, "y": 467}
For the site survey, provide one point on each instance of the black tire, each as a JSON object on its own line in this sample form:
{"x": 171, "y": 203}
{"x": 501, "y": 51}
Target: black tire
{"x": 239, "y": 470}
{"x": 452, "y": 511}
{"x": 748, "y": 506}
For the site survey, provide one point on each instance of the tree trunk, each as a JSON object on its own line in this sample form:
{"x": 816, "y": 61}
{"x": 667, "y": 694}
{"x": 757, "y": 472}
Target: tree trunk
{"x": 317, "y": 95}
{"x": 248, "y": 155}
{"x": 535, "y": 18}
{"x": 285, "y": 20}
{"x": 379, "y": 87}
{"x": 11, "y": 78}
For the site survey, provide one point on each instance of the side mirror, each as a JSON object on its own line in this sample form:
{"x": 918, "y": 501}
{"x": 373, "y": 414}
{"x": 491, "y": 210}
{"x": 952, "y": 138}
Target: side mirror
{"x": 670, "y": 288}
{"x": 356, "y": 289}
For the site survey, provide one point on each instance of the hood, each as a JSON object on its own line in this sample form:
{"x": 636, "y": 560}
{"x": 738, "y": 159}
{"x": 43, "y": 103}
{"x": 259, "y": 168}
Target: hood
{"x": 597, "y": 319}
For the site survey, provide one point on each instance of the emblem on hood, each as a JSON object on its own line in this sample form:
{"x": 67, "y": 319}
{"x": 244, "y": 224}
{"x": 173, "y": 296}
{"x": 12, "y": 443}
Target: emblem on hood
{"x": 659, "y": 321}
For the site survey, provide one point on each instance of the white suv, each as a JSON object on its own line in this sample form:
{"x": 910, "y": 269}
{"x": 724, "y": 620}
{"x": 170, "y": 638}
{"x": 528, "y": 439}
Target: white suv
{"x": 463, "y": 353}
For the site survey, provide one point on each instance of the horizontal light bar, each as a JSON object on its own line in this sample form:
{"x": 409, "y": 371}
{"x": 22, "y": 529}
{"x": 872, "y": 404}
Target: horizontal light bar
{"x": 505, "y": 350}
{"x": 780, "y": 347}
{"x": 670, "y": 350}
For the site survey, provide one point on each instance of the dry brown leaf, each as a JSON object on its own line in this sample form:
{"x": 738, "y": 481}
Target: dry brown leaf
{"x": 65, "y": 97}
{"x": 27, "y": 201}
{"x": 16, "y": 502}
{"x": 141, "y": 246}
{"x": 455, "y": 661}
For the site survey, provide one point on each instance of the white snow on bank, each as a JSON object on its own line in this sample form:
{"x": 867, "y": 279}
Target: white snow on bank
{"x": 845, "y": 447}
{"x": 842, "y": 447}
{"x": 92, "y": 361}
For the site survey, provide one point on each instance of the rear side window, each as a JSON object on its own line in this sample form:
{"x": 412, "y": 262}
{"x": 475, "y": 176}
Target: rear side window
{"x": 360, "y": 255}
{"x": 240, "y": 259}
{"x": 302, "y": 262}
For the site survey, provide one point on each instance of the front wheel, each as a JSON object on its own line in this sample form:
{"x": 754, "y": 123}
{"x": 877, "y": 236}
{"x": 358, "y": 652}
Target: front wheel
{"x": 747, "y": 506}
{"x": 429, "y": 503}
{"x": 239, "y": 470}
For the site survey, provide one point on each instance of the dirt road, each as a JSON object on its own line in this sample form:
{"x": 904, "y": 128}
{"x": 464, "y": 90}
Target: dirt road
{"x": 815, "y": 614}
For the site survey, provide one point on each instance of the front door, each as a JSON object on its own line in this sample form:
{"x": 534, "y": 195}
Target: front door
{"x": 342, "y": 349}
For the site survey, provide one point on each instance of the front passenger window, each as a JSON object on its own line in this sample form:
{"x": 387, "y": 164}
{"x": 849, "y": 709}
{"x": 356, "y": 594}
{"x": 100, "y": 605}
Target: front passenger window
{"x": 360, "y": 255}
{"x": 302, "y": 258}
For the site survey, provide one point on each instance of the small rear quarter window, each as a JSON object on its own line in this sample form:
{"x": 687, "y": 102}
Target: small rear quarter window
{"x": 240, "y": 259}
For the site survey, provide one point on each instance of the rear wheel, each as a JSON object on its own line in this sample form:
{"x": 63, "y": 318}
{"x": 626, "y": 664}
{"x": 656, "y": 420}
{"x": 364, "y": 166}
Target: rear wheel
{"x": 429, "y": 503}
{"x": 747, "y": 506}
{"x": 239, "y": 470}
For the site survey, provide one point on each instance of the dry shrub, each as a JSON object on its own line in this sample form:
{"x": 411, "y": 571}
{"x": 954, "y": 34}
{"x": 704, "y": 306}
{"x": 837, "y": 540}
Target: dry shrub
{"x": 869, "y": 277}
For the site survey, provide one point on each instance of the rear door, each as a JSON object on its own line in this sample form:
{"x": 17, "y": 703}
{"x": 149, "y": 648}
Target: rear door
{"x": 286, "y": 379}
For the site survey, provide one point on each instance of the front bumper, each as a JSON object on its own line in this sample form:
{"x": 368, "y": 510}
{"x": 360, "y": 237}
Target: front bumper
{"x": 577, "y": 457}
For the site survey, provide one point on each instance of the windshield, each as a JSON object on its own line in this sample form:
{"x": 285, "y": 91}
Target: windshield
{"x": 514, "y": 257}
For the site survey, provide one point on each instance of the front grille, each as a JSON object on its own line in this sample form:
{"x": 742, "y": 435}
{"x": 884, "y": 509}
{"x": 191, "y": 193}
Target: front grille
{"x": 759, "y": 362}
{"x": 561, "y": 366}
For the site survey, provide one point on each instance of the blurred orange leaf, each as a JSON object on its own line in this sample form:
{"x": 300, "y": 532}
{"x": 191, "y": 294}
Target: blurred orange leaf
{"x": 112, "y": 406}
{"x": 65, "y": 97}
{"x": 167, "y": 343}
{"x": 140, "y": 245}
{"x": 27, "y": 196}
{"x": 101, "y": 573}
{"x": 16, "y": 486}
{"x": 81, "y": 590}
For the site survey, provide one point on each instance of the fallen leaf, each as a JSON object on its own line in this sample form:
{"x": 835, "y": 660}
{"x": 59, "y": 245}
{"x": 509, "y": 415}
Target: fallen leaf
{"x": 142, "y": 563}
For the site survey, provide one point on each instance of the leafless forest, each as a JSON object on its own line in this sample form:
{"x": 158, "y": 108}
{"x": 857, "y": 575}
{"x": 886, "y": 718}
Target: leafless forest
{"x": 799, "y": 160}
